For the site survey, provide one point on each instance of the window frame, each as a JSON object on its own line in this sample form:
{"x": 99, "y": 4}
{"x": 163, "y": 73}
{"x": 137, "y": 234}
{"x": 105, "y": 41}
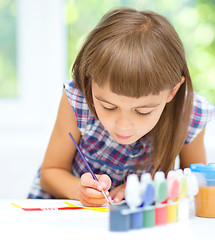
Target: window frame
{"x": 41, "y": 69}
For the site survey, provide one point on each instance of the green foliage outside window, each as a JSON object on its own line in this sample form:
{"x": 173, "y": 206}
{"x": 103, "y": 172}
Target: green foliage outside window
{"x": 193, "y": 20}
{"x": 8, "y": 70}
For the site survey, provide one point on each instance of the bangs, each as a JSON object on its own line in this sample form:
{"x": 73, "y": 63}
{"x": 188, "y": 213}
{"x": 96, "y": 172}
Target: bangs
{"x": 135, "y": 65}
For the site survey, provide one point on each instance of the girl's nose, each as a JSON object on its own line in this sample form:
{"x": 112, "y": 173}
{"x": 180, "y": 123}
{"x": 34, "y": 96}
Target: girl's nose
{"x": 123, "y": 123}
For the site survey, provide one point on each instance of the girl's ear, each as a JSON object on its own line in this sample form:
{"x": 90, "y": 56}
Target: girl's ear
{"x": 175, "y": 89}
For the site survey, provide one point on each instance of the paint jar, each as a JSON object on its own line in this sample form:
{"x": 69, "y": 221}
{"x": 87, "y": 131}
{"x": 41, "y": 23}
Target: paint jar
{"x": 149, "y": 216}
{"x": 172, "y": 211}
{"x": 136, "y": 219}
{"x": 160, "y": 214}
{"x": 119, "y": 222}
{"x": 205, "y": 199}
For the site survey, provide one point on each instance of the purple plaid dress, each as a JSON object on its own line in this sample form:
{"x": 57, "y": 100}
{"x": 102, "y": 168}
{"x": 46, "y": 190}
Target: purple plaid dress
{"x": 105, "y": 155}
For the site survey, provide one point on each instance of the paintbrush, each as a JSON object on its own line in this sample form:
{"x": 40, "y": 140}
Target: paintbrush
{"x": 87, "y": 165}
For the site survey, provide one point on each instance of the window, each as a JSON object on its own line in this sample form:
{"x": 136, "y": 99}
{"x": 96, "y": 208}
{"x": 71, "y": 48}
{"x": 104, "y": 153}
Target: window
{"x": 8, "y": 63}
{"x": 40, "y": 57}
{"x": 39, "y": 69}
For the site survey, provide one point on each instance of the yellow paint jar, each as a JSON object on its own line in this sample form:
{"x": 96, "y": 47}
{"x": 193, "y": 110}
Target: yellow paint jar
{"x": 172, "y": 212}
{"x": 205, "y": 199}
{"x": 205, "y": 202}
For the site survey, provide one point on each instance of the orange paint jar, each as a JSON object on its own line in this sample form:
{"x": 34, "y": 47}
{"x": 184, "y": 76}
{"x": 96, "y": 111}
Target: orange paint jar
{"x": 205, "y": 199}
{"x": 205, "y": 202}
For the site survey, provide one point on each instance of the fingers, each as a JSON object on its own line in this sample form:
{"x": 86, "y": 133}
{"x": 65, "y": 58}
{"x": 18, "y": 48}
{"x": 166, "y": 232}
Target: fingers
{"x": 94, "y": 193}
{"x": 119, "y": 196}
{"x": 90, "y": 190}
{"x": 89, "y": 201}
{"x": 118, "y": 193}
{"x": 105, "y": 181}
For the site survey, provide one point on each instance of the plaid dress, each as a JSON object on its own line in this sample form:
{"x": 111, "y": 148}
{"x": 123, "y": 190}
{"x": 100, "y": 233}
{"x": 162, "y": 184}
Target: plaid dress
{"x": 103, "y": 153}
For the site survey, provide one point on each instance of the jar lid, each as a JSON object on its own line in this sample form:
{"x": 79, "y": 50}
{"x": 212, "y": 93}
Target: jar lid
{"x": 202, "y": 168}
{"x": 205, "y": 173}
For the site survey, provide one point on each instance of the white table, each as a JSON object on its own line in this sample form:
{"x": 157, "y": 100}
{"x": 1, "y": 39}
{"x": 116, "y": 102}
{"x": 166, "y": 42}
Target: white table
{"x": 79, "y": 224}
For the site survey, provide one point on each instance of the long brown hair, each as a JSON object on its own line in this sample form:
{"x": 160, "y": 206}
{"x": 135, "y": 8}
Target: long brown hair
{"x": 140, "y": 53}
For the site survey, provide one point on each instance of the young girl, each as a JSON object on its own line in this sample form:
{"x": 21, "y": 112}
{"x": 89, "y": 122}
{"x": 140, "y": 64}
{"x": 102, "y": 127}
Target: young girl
{"x": 131, "y": 108}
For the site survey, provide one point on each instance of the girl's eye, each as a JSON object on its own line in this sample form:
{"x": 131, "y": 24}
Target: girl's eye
{"x": 109, "y": 109}
{"x": 142, "y": 114}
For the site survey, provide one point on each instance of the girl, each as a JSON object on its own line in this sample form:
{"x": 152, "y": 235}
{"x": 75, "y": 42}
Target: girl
{"x": 131, "y": 108}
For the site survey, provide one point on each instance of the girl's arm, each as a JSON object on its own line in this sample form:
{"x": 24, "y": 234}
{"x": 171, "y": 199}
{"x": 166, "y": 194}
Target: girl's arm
{"x": 55, "y": 171}
{"x": 56, "y": 177}
{"x": 193, "y": 152}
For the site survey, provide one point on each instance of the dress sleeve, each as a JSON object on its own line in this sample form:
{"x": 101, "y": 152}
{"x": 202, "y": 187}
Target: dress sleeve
{"x": 79, "y": 105}
{"x": 203, "y": 112}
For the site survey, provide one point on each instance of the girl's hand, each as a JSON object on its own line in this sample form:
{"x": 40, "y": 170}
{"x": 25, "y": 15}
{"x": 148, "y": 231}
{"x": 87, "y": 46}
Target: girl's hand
{"x": 90, "y": 190}
{"x": 118, "y": 193}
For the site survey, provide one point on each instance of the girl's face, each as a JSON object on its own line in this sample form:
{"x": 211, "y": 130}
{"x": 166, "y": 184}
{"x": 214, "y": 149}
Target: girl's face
{"x": 127, "y": 119}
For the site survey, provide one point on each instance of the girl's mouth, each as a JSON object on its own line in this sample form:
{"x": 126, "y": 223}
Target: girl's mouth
{"x": 122, "y": 137}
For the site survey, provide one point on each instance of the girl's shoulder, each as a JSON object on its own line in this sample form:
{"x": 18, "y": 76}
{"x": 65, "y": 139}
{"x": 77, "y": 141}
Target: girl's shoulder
{"x": 75, "y": 96}
{"x": 79, "y": 105}
{"x": 203, "y": 112}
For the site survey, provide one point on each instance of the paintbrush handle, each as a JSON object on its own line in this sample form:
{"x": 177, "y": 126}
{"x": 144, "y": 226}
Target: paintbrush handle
{"x": 85, "y": 161}
{"x": 88, "y": 167}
